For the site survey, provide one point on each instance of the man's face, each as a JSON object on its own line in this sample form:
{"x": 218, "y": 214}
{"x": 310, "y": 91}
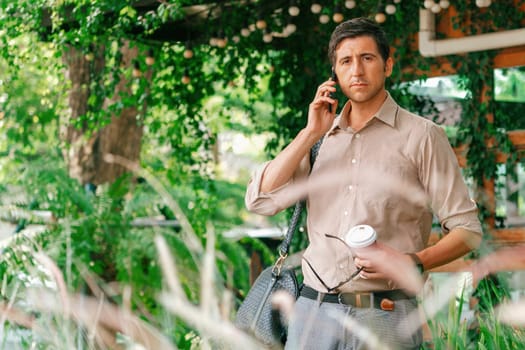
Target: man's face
{"x": 360, "y": 69}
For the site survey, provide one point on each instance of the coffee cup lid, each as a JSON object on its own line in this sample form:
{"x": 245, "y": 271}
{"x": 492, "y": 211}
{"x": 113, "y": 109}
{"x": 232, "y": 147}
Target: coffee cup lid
{"x": 360, "y": 236}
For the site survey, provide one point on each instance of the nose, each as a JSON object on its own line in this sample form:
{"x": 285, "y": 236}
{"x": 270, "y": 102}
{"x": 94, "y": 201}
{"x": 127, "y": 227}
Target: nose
{"x": 357, "y": 67}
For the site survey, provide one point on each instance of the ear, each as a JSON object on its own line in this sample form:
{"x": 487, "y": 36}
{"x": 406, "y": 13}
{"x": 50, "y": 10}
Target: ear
{"x": 389, "y": 66}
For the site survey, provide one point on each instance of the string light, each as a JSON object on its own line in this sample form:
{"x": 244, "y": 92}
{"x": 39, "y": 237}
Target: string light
{"x": 444, "y": 4}
{"x": 380, "y": 16}
{"x": 260, "y": 24}
{"x": 289, "y": 29}
{"x": 267, "y": 37}
{"x": 483, "y": 3}
{"x": 316, "y": 8}
{"x": 188, "y": 53}
{"x": 390, "y": 9}
{"x": 350, "y": 4}
{"x": 222, "y": 42}
{"x": 338, "y": 16}
{"x": 293, "y": 10}
{"x": 245, "y": 32}
{"x": 436, "y": 7}
{"x": 136, "y": 70}
{"x": 428, "y": 4}
{"x": 186, "y": 77}
{"x": 324, "y": 18}
{"x": 150, "y": 60}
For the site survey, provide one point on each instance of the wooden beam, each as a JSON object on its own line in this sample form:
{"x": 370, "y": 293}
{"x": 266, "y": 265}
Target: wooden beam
{"x": 507, "y": 236}
{"x": 516, "y": 137}
{"x": 499, "y": 236}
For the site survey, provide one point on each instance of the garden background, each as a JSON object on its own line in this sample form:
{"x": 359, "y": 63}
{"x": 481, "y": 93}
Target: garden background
{"x": 130, "y": 129}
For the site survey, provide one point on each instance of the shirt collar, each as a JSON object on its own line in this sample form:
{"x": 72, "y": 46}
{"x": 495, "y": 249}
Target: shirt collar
{"x": 386, "y": 113}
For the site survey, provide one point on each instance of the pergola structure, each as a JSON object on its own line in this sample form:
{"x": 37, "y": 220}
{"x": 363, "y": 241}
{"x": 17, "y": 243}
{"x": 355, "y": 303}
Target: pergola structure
{"x": 438, "y": 38}
{"x": 512, "y": 55}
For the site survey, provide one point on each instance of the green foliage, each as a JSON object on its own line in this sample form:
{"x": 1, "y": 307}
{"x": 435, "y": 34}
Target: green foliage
{"x": 270, "y": 84}
{"x": 94, "y": 243}
{"x": 476, "y": 74}
{"x": 453, "y": 329}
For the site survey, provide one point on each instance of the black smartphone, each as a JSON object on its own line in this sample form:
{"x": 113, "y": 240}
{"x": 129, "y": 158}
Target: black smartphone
{"x": 333, "y": 76}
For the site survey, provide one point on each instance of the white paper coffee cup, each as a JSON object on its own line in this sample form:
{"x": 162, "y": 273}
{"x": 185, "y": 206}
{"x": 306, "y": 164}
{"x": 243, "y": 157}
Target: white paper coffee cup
{"x": 360, "y": 236}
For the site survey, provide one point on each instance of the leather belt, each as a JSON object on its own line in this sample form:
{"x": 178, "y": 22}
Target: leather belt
{"x": 383, "y": 300}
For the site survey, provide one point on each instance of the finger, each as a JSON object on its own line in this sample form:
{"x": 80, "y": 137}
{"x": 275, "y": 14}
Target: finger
{"x": 362, "y": 262}
{"x": 321, "y": 101}
{"x": 325, "y": 89}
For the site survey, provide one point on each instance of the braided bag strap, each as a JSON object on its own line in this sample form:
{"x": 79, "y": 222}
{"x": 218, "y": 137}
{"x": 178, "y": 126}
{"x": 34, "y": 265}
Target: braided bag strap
{"x": 299, "y": 206}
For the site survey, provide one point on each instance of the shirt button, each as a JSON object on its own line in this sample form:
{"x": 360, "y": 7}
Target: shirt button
{"x": 350, "y": 187}
{"x": 341, "y": 266}
{"x": 354, "y": 161}
{"x": 345, "y": 213}
{"x": 357, "y": 135}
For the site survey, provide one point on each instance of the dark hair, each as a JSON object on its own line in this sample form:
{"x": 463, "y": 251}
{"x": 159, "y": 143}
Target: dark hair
{"x": 358, "y": 27}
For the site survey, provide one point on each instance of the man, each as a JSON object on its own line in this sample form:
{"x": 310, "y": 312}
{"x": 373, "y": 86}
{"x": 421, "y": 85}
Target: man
{"x": 378, "y": 165}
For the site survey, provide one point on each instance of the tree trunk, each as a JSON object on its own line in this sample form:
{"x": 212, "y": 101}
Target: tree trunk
{"x": 85, "y": 149}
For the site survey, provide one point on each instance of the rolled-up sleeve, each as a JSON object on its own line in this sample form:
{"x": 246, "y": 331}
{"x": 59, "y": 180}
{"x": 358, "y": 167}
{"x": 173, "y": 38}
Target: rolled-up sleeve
{"x": 449, "y": 195}
{"x": 271, "y": 203}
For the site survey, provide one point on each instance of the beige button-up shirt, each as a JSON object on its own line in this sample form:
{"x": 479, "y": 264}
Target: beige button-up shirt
{"x": 395, "y": 174}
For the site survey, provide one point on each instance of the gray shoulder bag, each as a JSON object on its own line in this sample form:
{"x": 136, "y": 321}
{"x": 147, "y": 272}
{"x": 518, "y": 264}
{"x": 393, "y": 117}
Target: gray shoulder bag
{"x": 256, "y": 314}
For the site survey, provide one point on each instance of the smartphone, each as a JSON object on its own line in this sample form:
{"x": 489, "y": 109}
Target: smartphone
{"x": 333, "y": 76}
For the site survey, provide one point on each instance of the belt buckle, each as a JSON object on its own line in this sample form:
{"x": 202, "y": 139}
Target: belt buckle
{"x": 357, "y": 299}
{"x": 359, "y": 302}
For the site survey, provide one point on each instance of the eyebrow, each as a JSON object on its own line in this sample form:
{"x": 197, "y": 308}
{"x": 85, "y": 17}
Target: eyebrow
{"x": 360, "y": 55}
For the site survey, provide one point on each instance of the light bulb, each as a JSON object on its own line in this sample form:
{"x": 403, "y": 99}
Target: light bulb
{"x": 483, "y": 3}
{"x": 290, "y": 29}
{"x": 350, "y": 4}
{"x": 260, "y": 24}
{"x": 380, "y": 17}
{"x": 444, "y": 4}
{"x": 390, "y": 9}
{"x": 435, "y": 8}
{"x": 294, "y": 11}
{"x": 221, "y": 42}
{"x": 316, "y": 8}
{"x": 188, "y": 53}
{"x": 324, "y": 19}
{"x": 267, "y": 38}
{"x": 245, "y": 32}
{"x": 337, "y": 17}
{"x": 428, "y": 4}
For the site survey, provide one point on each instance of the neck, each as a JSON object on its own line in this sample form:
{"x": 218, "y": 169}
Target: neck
{"x": 362, "y": 112}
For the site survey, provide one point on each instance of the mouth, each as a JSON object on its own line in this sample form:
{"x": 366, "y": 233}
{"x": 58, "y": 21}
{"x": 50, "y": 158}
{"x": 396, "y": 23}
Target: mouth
{"x": 358, "y": 84}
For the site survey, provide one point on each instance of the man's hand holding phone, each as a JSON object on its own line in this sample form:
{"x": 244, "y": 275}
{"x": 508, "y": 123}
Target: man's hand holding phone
{"x": 321, "y": 112}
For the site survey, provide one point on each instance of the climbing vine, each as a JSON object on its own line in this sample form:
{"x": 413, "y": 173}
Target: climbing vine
{"x": 476, "y": 73}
